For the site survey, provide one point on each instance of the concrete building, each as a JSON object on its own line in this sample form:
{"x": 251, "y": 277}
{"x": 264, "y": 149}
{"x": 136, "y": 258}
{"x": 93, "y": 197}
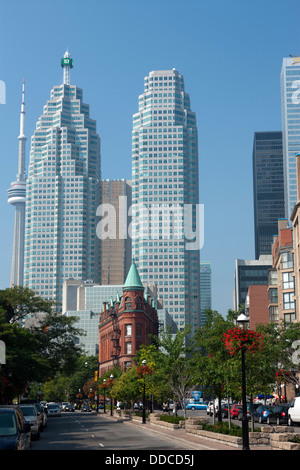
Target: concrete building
{"x": 248, "y": 272}
{"x": 281, "y": 278}
{"x": 116, "y": 246}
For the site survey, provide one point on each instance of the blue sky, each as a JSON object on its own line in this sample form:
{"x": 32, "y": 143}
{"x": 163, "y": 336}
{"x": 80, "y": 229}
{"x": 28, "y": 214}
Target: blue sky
{"x": 230, "y": 54}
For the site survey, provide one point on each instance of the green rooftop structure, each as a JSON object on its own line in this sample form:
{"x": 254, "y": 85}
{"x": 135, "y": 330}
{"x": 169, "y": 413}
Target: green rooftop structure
{"x": 133, "y": 280}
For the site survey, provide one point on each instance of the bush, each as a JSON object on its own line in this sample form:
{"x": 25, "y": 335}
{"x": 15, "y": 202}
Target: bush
{"x": 223, "y": 428}
{"x": 171, "y": 419}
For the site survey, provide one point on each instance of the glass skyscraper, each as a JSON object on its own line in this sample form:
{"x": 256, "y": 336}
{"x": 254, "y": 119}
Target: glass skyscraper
{"x": 268, "y": 189}
{"x": 164, "y": 190}
{"x": 205, "y": 289}
{"x": 62, "y": 194}
{"x": 290, "y": 109}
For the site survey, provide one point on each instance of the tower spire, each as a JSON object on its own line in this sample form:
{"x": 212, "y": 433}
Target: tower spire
{"x": 16, "y": 196}
{"x": 67, "y": 65}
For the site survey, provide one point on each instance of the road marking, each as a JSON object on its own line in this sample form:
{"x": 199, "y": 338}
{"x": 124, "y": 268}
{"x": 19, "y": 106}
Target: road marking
{"x": 101, "y": 444}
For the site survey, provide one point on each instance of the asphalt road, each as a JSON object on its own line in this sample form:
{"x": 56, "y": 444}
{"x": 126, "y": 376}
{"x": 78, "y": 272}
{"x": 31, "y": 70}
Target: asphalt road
{"x": 87, "y": 431}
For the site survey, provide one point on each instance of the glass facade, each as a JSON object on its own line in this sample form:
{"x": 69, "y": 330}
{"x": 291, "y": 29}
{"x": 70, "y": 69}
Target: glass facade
{"x": 205, "y": 288}
{"x": 290, "y": 109}
{"x": 268, "y": 189}
{"x": 63, "y": 192}
{"x": 164, "y": 180}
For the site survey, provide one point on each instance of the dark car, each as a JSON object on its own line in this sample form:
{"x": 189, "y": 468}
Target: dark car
{"x": 224, "y": 410}
{"x": 279, "y": 414}
{"x": 85, "y": 408}
{"x": 15, "y": 433}
{"x": 69, "y": 407}
{"x": 254, "y": 406}
{"x": 262, "y": 412}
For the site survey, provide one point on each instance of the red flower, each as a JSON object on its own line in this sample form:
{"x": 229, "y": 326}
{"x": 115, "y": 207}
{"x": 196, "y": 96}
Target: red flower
{"x": 248, "y": 340}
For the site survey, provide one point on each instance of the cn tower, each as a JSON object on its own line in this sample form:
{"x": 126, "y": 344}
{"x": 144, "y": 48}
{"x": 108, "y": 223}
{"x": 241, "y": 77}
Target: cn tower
{"x": 16, "y": 196}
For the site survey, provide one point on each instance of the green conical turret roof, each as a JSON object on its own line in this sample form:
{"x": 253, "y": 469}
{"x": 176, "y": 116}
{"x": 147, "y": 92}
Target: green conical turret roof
{"x": 133, "y": 280}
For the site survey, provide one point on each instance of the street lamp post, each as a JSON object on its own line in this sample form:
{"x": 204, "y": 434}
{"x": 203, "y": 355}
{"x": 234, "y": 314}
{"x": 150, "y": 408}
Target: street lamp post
{"x": 111, "y": 400}
{"x": 144, "y": 362}
{"x": 104, "y": 383}
{"x": 242, "y": 322}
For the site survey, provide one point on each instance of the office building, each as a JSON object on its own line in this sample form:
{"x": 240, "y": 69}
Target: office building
{"x": 268, "y": 189}
{"x": 63, "y": 193}
{"x": 165, "y": 194}
{"x": 282, "y": 276}
{"x": 17, "y": 197}
{"x": 116, "y": 246}
{"x": 290, "y": 110}
{"x": 249, "y": 272}
{"x": 205, "y": 288}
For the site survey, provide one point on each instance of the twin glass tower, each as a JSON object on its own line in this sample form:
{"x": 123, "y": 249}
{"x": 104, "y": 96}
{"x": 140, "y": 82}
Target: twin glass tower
{"x": 63, "y": 191}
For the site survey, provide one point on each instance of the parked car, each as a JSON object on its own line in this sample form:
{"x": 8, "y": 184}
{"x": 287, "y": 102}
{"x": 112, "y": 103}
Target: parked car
{"x": 85, "y": 408}
{"x": 43, "y": 421}
{"x": 196, "y": 405}
{"x": 262, "y": 412}
{"x": 69, "y": 407}
{"x": 279, "y": 414}
{"x": 32, "y": 417}
{"x": 15, "y": 432}
{"x": 53, "y": 409}
{"x": 294, "y": 412}
{"x": 210, "y": 408}
{"x": 234, "y": 410}
{"x": 240, "y": 413}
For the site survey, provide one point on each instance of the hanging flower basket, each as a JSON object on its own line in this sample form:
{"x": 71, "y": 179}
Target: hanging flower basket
{"x": 143, "y": 370}
{"x": 236, "y": 340}
{"x": 283, "y": 375}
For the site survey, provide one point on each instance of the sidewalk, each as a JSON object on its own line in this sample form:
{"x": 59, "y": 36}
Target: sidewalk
{"x": 187, "y": 440}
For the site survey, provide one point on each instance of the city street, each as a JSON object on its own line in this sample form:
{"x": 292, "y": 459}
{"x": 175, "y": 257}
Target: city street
{"x": 87, "y": 431}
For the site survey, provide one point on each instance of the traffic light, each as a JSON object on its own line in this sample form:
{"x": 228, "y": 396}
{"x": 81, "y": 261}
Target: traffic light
{"x": 96, "y": 375}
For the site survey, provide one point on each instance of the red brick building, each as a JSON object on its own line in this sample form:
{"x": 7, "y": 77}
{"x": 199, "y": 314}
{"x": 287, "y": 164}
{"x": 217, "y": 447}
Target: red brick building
{"x": 257, "y": 305}
{"x": 125, "y": 324}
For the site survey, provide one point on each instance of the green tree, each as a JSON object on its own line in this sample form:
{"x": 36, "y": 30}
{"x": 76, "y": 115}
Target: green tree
{"x": 17, "y": 302}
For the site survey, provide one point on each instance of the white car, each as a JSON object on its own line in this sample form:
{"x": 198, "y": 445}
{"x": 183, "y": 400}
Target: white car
{"x": 33, "y": 417}
{"x": 294, "y": 412}
{"x": 53, "y": 409}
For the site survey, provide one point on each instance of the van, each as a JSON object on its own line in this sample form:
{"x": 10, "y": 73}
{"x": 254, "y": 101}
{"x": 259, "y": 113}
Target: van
{"x": 294, "y": 412}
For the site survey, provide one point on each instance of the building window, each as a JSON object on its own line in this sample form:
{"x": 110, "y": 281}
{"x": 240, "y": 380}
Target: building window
{"x": 273, "y": 314}
{"x": 128, "y": 303}
{"x": 273, "y": 296}
{"x": 138, "y": 330}
{"x": 287, "y": 281}
{"x": 287, "y": 260}
{"x": 288, "y": 302}
{"x": 128, "y": 348}
{"x": 273, "y": 278}
{"x": 128, "y": 330}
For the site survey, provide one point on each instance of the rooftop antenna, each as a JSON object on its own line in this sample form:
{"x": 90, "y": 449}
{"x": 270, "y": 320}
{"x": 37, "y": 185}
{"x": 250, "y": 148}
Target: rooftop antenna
{"x": 67, "y": 65}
